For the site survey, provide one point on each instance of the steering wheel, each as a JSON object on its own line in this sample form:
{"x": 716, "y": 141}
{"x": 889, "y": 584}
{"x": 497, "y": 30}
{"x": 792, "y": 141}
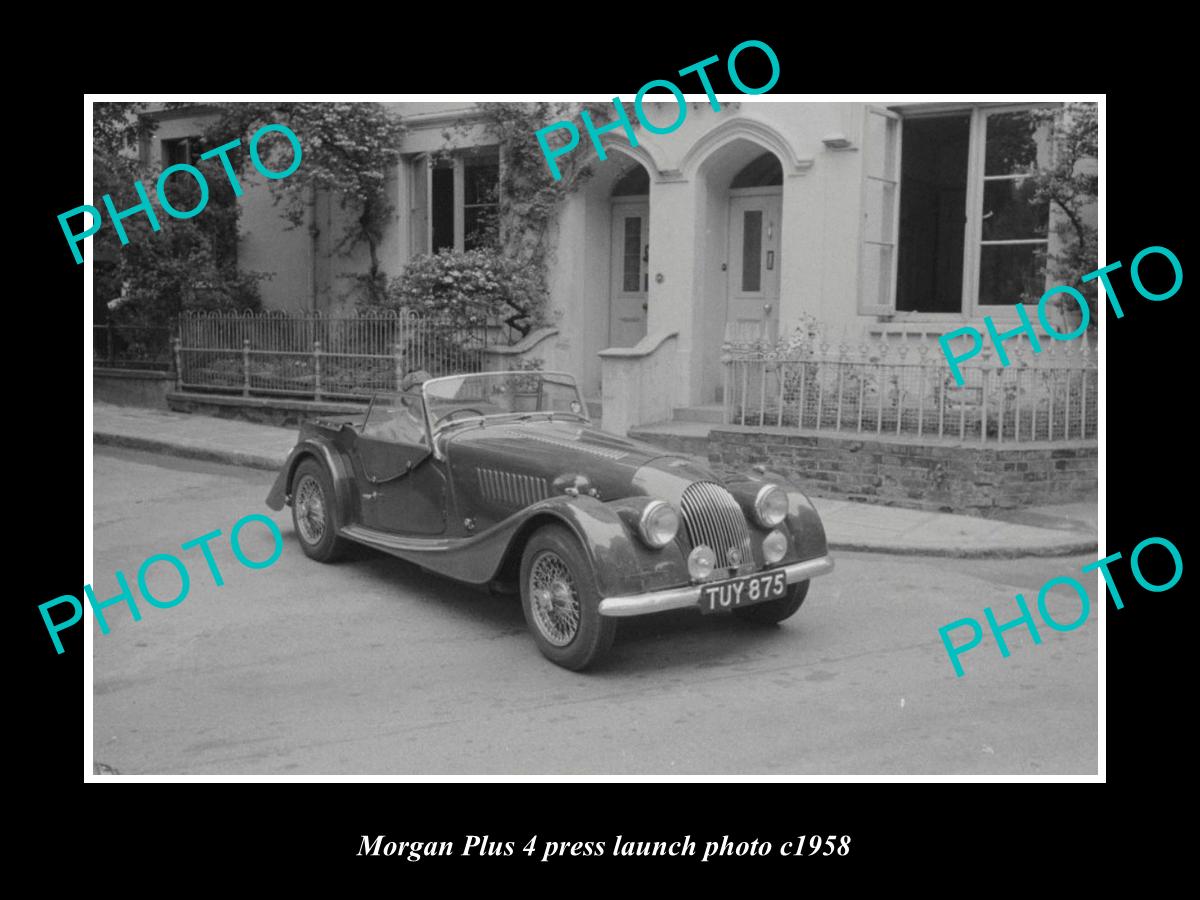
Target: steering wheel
{"x": 455, "y": 412}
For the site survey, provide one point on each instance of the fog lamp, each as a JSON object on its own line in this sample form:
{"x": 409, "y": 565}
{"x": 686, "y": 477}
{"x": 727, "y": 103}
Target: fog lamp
{"x": 775, "y": 546}
{"x": 701, "y": 562}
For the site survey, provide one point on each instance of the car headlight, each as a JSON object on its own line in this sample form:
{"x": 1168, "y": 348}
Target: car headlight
{"x": 775, "y": 546}
{"x": 658, "y": 524}
{"x": 771, "y": 505}
{"x": 701, "y": 562}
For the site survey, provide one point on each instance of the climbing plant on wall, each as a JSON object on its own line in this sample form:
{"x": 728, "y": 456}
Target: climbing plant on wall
{"x": 349, "y": 149}
{"x": 528, "y": 197}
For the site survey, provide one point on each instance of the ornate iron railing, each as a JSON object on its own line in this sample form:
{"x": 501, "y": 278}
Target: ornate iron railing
{"x": 321, "y": 357}
{"x": 901, "y": 388}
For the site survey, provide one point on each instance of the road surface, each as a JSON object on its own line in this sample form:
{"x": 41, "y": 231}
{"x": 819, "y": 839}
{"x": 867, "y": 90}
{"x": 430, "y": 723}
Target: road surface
{"x": 373, "y": 667}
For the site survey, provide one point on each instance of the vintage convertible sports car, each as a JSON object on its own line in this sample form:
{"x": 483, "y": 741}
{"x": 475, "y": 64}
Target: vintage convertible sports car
{"x": 500, "y": 478}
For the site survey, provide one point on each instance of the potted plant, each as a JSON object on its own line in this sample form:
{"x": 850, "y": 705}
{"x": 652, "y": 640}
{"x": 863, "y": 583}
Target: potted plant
{"x": 526, "y": 388}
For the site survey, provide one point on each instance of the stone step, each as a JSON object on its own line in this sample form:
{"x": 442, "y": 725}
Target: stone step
{"x": 713, "y": 413}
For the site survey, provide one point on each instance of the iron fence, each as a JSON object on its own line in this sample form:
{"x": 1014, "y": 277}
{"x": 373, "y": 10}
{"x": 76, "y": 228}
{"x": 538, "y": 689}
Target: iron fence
{"x": 132, "y": 347}
{"x": 321, "y": 357}
{"x": 902, "y": 389}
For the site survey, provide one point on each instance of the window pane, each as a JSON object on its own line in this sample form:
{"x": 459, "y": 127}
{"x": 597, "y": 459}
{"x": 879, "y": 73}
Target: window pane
{"x": 632, "y": 262}
{"x": 880, "y": 211}
{"x": 1011, "y": 143}
{"x": 479, "y": 227}
{"x": 933, "y": 205}
{"x": 880, "y": 146}
{"x": 752, "y": 250}
{"x": 479, "y": 182}
{"x": 1012, "y": 273}
{"x": 443, "y": 208}
{"x": 1010, "y": 213}
{"x": 877, "y": 274}
{"x": 181, "y": 150}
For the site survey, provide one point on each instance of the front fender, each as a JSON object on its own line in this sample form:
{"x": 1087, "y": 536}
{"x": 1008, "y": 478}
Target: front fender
{"x": 329, "y": 456}
{"x": 803, "y": 522}
{"x": 621, "y": 562}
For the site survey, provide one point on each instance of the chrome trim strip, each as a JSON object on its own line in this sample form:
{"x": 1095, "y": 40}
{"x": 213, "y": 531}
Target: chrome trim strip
{"x": 683, "y": 597}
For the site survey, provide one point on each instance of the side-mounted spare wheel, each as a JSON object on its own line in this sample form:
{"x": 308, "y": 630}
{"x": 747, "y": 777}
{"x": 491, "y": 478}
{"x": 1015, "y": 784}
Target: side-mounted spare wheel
{"x": 561, "y": 599}
{"x": 314, "y": 512}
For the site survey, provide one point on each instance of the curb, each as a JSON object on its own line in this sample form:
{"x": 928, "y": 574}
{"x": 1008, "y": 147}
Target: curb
{"x": 273, "y": 464}
{"x": 1073, "y": 548}
{"x": 187, "y": 451}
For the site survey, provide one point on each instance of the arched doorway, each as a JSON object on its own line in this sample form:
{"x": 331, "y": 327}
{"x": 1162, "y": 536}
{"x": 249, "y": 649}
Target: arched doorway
{"x": 601, "y": 255}
{"x": 629, "y": 283}
{"x": 740, "y": 203}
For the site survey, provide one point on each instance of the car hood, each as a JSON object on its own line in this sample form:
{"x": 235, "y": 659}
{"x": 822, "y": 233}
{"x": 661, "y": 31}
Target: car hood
{"x": 572, "y": 454}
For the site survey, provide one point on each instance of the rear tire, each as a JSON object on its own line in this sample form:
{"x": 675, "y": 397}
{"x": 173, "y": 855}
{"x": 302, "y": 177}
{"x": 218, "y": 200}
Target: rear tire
{"x": 313, "y": 513}
{"x": 772, "y": 612}
{"x": 561, "y": 600}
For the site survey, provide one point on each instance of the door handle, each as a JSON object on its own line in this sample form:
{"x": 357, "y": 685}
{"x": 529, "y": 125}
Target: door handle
{"x": 767, "y": 309}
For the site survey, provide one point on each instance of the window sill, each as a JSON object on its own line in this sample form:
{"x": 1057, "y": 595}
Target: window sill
{"x": 939, "y": 323}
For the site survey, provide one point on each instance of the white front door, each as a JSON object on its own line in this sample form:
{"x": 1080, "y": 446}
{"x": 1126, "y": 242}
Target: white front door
{"x": 630, "y": 272}
{"x": 754, "y": 220}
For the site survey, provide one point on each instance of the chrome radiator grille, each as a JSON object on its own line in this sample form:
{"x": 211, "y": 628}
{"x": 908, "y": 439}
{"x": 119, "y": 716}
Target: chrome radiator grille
{"x": 711, "y": 516}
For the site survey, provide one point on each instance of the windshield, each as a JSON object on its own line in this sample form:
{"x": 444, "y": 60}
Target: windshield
{"x": 462, "y": 398}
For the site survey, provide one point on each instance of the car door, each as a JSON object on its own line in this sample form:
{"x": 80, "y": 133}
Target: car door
{"x": 401, "y": 486}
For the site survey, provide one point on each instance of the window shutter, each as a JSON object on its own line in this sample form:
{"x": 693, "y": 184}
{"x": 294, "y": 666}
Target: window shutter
{"x": 418, "y": 229}
{"x": 878, "y": 247}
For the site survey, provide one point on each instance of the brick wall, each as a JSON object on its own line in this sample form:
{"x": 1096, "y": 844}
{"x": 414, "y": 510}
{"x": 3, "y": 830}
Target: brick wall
{"x": 934, "y": 476}
{"x": 126, "y": 387}
{"x": 284, "y": 413}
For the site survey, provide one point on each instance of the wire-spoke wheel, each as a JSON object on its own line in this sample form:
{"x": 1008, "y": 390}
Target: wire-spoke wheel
{"x": 555, "y": 600}
{"x": 561, "y": 599}
{"x": 310, "y": 510}
{"x": 313, "y": 512}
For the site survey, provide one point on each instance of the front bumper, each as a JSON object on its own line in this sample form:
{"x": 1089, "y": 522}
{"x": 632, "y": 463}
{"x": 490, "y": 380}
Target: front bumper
{"x": 683, "y": 597}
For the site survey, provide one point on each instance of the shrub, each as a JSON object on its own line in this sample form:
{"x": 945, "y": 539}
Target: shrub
{"x": 467, "y": 288}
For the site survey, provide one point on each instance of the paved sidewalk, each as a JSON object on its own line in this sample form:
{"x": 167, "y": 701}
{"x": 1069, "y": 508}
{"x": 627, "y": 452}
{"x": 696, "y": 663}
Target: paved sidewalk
{"x": 196, "y": 437}
{"x": 1048, "y": 531}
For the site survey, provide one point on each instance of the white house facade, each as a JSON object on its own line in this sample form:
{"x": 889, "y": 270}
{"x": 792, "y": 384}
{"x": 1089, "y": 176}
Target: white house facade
{"x": 875, "y": 221}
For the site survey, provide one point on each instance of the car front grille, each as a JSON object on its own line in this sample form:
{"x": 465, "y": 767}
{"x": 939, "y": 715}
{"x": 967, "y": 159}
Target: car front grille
{"x": 711, "y": 516}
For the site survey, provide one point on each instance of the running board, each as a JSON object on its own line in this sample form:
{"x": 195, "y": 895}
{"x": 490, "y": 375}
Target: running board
{"x": 385, "y": 541}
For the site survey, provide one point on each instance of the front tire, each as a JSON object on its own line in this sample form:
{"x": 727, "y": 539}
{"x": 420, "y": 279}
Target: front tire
{"x": 772, "y": 612}
{"x": 561, "y": 600}
{"x": 313, "y": 513}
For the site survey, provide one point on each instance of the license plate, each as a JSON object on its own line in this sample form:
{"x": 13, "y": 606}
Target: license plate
{"x": 742, "y": 592}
